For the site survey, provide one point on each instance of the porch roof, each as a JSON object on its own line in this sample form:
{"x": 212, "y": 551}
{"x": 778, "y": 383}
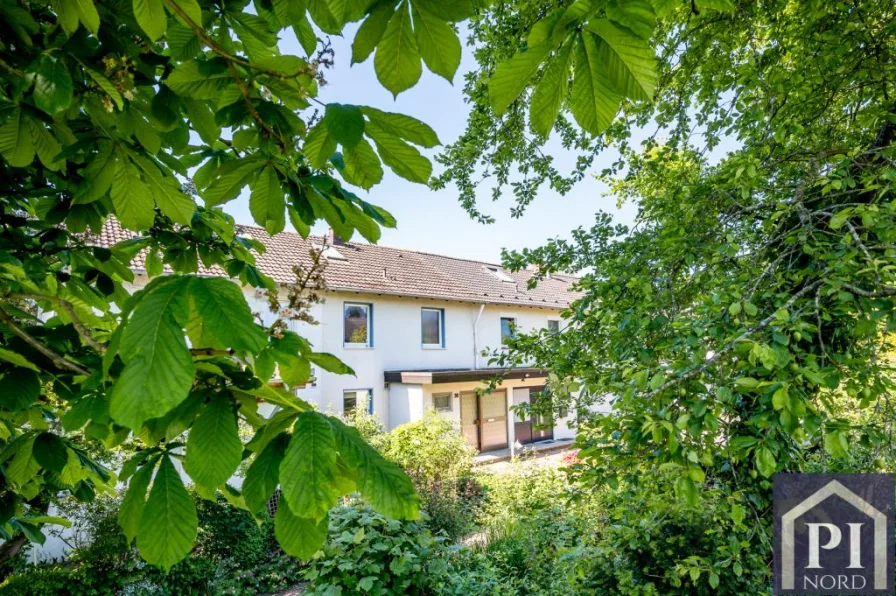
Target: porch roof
{"x": 455, "y": 375}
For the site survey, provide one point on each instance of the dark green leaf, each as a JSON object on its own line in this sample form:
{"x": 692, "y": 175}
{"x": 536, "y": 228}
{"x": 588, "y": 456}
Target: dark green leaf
{"x": 214, "y": 449}
{"x": 53, "y": 86}
{"x": 263, "y": 474}
{"x": 345, "y": 124}
{"x": 300, "y": 537}
{"x": 50, "y": 452}
{"x": 169, "y": 521}
{"x": 306, "y": 472}
{"x": 19, "y": 388}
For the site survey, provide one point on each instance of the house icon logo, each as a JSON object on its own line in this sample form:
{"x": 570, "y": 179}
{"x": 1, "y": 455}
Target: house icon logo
{"x": 834, "y": 533}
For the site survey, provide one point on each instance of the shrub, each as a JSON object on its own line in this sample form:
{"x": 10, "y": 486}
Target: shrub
{"x": 275, "y": 573}
{"x": 652, "y": 544}
{"x": 431, "y": 450}
{"x": 233, "y": 555}
{"x": 438, "y": 459}
{"x": 471, "y": 573}
{"x": 520, "y": 491}
{"x": 452, "y": 511}
{"x": 38, "y": 581}
{"x": 368, "y": 425}
{"x": 367, "y": 552}
{"x": 229, "y": 533}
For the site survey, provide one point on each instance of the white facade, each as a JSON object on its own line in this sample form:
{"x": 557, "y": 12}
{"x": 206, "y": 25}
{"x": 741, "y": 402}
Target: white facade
{"x": 397, "y": 346}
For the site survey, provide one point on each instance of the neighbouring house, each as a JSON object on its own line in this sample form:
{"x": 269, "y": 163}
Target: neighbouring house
{"x": 413, "y": 326}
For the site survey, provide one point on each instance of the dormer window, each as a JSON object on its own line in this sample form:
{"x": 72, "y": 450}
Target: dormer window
{"x": 496, "y": 271}
{"x": 329, "y": 252}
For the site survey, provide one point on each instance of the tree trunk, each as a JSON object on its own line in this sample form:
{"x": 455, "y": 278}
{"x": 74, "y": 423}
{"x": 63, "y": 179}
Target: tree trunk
{"x": 11, "y": 547}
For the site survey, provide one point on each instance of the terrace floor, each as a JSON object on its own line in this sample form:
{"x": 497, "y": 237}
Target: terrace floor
{"x": 533, "y": 449}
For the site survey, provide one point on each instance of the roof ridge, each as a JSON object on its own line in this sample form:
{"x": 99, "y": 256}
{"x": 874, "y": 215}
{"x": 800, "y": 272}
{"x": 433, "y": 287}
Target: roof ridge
{"x": 429, "y": 254}
{"x": 398, "y": 248}
{"x": 371, "y": 244}
{"x": 379, "y": 269}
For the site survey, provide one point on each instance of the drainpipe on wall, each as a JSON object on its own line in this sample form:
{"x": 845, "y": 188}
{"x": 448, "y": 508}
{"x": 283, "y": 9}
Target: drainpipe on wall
{"x": 475, "y": 343}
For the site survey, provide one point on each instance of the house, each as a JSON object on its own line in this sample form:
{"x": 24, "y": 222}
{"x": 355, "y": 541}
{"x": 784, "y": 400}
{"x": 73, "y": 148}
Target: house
{"x": 413, "y": 326}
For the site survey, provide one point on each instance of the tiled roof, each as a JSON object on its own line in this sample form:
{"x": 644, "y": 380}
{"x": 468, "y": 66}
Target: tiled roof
{"x": 374, "y": 269}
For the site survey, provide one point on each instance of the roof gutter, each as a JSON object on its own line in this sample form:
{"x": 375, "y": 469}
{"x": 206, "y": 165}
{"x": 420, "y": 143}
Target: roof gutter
{"x": 474, "y": 299}
{"x": 475, "y": 343}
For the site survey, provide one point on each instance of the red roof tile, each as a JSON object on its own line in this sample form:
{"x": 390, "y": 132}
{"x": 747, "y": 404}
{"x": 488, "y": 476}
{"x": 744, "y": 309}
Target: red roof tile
{"x": 374, "y": 269}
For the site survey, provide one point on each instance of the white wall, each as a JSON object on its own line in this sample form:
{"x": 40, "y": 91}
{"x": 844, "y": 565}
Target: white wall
{"x": 406, "y": 403}
{"x": 397, "y": 342}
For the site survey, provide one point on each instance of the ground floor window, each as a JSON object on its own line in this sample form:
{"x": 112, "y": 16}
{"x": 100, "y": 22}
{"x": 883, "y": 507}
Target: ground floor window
{"x": 357, "y": 398}
{"x": 441, "y": 402}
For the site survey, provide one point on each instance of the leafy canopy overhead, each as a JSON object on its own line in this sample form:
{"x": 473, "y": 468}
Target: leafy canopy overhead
{"x": 743, "y": 325}
{"x": 134, "y": 110}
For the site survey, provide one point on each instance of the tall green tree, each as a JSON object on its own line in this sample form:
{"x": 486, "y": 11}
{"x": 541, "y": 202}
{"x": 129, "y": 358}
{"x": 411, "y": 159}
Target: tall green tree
{"x": 742, "y": 326}
{"x": 134, "y": 110}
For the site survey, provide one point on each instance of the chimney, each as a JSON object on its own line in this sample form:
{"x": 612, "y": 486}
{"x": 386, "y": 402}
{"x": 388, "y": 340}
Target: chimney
{"x": 333, "y": 238}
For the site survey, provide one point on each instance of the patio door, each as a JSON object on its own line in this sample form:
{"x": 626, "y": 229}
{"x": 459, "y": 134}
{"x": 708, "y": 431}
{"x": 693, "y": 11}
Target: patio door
{"x": 535, "y": 428}
{"x": 483, "y": 419}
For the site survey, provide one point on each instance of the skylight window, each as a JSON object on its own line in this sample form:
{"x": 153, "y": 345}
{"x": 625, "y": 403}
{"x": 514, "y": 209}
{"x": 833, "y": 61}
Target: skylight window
{"x": 499, "y": 274}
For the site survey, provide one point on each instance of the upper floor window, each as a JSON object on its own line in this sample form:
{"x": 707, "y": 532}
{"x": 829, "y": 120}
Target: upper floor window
{"x": 508, "y": 329}
{"x": 357, "y": 324}
{"x": 357, "y": 398}
{"x": 432, "y": 326}
{"x": 554, "y": 326}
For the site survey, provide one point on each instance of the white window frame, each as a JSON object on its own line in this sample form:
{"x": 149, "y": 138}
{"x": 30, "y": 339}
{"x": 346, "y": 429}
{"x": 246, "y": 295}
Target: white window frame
{"x": 369, "y": 343}
{"x": 552, "y": 320}
{"x": 441, "y": 344}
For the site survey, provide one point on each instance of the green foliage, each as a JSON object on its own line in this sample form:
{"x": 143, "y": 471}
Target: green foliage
{"x": 43, "y": 580}
{"x": 367, "y": 552}
{"x": 368, "y": 425}
{"x": 525, "y": 487}
{"x": 431, "y": 449}
{"x": 438, "y": 459}
{"x": 233, "y": 554}
{"x": 131, "y": 110}
{"x": 650, "y": 544}
{"x": 569, "y": 67}
{"x": 743, "y": 325}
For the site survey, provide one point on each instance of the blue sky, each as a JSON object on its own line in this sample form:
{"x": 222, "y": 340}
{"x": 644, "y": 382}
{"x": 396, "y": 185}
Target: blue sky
{"x": 434, "y": 221}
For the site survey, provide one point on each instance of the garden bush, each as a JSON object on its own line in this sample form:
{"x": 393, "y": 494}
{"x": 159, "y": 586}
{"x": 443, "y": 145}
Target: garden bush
{"x": 368, "y": 425}
{"x": 438, "y": 459}
{"x": 49, "y": 579}
{"x": 431, "y": 450}
{"x": 647, "y": 543}
{"x": 233, "y": 555}
{"x": 368, "y": 553}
